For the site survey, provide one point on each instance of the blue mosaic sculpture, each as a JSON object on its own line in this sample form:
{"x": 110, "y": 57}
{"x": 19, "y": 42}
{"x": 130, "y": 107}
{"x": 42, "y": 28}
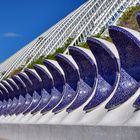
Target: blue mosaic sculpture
{"x": 21, "y": 97}
{"x": 101, "y": 80}
{"x": 128, "y": 47}
{"x": 72, "y": 78}
{"x": 11, "y": 96}
{"x": 108, "y": 67}
{"x": 88, "y": 77}
{"x": 46, "y": 87}
{"x": 4, "y": 96}
{"x": 4, "y": 92}
{"x": 8, "y": 103}
{"x": 29, "y": 93}
{"x": 36, "y": 80}
{"x": 57, "y": 91}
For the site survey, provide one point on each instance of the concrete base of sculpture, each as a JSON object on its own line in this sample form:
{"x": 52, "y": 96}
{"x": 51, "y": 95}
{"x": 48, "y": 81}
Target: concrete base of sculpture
{"x": 59, "y": 132}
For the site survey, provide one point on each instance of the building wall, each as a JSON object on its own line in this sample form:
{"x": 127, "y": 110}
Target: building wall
{"x": 46, "y": 132}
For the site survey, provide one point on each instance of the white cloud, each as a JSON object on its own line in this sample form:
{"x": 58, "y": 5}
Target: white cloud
{"x": 10, "y": 35}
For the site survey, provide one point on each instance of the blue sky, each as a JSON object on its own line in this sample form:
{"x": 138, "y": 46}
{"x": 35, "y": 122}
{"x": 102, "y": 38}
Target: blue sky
{"x": 23, "y": 20}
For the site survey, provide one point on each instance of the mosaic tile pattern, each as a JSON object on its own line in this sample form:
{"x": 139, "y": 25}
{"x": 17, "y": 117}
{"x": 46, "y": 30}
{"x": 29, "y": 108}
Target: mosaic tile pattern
{"x": 88, "y": 75}
{"x": 3, "y": 107}
{"x": 102, "y": 92}
{"x": 72, "y": 78}
{"x": 14, "y": 105}
{"x": 57, "y": 91}
{"x": 58, "y": 77}
{"x": 4, "y": 95}
{"x": 128, "y": 47}
{"x": 84, "y": 78}
{"x": 45, "y": 97}
{"x": 108, "y": 67}
{"x": 126, "y": 88}
{"x": 17, "y": 105}
{"x": 21, "y": 108}
{"x": 35, "y": 101}
{"x": 54, "y": 100}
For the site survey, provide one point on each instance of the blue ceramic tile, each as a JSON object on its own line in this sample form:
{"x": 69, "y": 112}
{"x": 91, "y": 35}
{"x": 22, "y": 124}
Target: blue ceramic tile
{"x": 22, "y": 107}
{"x": 69, "y": 95}
{"x": 15, "y": 105}
{"x": 128, "y": 47}
{"x": 35, "y": 101}
{"x": 88, "y": 77}
{"x": 108, "y": 67}
{"x": 102, "y": 92}
{"x": 72, "y": 78}
{"x": 45, "y": 97}
{"x": 127, "y": 87}
{"x": 54, "y": 100}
